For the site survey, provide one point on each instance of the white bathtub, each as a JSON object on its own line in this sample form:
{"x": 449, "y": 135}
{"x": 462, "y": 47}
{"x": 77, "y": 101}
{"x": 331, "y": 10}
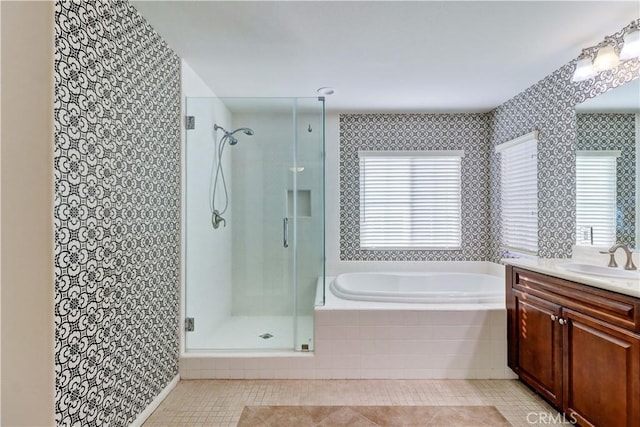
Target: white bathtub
{"x": 420, "y": 288}
{"x": 448, "y": 323}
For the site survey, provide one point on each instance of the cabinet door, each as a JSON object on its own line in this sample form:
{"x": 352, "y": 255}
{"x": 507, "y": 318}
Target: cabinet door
{"x": 538, "y": 346}
{"x": 601, "y": 372}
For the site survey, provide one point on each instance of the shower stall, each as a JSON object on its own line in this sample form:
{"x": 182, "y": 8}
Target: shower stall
{"x": 253, "y": 221}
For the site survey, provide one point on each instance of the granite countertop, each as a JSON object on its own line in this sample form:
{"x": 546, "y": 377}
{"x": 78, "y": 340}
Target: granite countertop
{"x": 552, "y": 268}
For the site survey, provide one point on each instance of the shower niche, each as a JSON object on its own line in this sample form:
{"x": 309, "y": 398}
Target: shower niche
{"x": 299, "y": 203}
{"x": 250, "y": 284}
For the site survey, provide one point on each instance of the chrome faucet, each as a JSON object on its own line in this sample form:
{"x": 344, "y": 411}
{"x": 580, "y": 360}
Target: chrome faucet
{"x": 612, "y": 260}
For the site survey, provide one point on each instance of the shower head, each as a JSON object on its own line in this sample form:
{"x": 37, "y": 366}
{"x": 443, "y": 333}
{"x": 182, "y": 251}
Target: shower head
{"x": 229, "y": 135}
{"x": 246, "y": 131}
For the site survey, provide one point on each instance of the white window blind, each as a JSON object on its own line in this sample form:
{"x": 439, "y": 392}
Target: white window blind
{"x": 596, "y": 197}
{"x": 519, "y": 193}
{"x": 410, "y": 199}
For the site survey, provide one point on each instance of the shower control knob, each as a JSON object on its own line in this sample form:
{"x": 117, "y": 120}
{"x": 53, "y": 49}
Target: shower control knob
{"x": 553, "y": 317}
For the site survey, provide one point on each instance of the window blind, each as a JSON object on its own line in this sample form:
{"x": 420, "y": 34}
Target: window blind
{"x": 596, "y": 197}
{"x": 519, "y": 194}
{"x": 410, "y": 199}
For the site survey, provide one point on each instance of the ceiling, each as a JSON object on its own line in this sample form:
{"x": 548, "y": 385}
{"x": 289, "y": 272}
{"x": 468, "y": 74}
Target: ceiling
{"x": 383, "y": 56}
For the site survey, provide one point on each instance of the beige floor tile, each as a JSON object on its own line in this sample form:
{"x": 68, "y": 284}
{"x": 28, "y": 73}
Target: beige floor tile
{"x": 221, "y": 402}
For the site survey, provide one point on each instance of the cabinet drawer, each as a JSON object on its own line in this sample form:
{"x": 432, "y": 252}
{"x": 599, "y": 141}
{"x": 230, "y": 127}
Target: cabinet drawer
{"x": 618, "y": 309}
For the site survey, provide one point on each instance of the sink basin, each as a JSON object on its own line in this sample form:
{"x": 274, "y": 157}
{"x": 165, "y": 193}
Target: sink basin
{"x": 596, "y": 270}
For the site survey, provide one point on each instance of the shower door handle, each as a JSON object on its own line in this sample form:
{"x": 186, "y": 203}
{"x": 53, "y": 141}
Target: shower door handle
{"x": 285, "y": 232}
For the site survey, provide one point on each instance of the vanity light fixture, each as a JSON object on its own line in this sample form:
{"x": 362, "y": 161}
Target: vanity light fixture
{"x": 606, "y": 55}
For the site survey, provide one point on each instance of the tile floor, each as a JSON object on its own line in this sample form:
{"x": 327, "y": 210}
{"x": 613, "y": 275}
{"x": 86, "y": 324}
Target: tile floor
{"x": 221, "y": 402}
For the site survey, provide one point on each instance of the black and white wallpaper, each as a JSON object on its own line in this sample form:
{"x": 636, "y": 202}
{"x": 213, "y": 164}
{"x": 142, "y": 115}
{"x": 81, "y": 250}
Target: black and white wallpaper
{"x": 117, "y": 213}
{"x": 468, "y": 132}
{"x": 615, "y": 131}
{"x": 549, "y": 107}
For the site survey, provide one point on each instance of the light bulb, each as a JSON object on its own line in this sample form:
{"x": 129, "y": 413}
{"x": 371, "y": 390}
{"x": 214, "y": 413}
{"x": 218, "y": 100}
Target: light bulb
{"x": 606, "y": 59}
{"x": 584, "y": 70}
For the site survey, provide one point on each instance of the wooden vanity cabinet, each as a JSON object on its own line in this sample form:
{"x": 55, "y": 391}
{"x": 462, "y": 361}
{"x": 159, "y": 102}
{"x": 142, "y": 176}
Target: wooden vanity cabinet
{"x": 538, "y": 345}
{"x": 577, "y": 346}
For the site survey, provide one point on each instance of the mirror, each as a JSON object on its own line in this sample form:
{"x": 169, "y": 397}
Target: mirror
{"x": 607, "y": 157}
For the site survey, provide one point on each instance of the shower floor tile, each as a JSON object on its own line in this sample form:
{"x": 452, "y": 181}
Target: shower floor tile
{"x": 247, "y": 332}
{"x": 221, "y": 402}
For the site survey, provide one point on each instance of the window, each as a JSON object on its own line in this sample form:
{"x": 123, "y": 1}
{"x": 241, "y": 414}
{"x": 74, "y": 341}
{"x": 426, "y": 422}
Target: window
{"x": 596, "y": 197}
{"x": 410, "y": 199}
{"x": 519, "y": 194}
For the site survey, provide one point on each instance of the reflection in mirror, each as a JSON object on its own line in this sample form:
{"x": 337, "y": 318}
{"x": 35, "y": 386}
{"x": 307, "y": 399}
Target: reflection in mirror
{"x": 607, "y": 178}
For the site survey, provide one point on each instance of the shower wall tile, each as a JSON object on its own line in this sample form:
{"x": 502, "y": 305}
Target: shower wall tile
{"x": 116, "y": 213}
{"x": 468, "y": 132}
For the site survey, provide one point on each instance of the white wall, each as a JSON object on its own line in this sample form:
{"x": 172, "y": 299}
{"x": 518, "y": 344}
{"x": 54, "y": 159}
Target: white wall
{"x": 27, "y": 214}
{"x": 261, "y": 178}
{"x": 207, "y": 252}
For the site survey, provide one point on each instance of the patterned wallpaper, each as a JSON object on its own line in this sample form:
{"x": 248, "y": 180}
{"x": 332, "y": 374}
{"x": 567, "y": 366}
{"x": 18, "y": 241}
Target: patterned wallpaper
{"x": 600, "y": 131}
{"x": 468, "y": 132}
{"x": 117, "y": 205}
{"x": 549, "y": 106}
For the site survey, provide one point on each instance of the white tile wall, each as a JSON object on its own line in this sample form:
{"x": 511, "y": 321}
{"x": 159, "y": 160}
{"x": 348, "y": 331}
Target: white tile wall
{"x": 371, "y": 344}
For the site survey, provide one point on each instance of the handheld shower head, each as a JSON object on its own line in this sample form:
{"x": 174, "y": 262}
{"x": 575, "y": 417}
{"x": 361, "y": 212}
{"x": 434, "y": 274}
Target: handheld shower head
{"x": 228, "y": 137}
{"x": 246, "y": 131}
{"x": 232, "y": 140}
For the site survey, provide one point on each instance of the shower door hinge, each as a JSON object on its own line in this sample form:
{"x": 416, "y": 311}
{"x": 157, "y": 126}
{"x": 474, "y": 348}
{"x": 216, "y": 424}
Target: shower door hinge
{"x": 189, "y": 324}
{"x": 190, "y": 122}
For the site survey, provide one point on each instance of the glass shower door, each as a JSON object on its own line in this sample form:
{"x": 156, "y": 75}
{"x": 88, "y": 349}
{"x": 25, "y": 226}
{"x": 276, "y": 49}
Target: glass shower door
{"x": 251, "y": 283}
{"x": 262, "y": 262}
{"x": 307, "y": 182}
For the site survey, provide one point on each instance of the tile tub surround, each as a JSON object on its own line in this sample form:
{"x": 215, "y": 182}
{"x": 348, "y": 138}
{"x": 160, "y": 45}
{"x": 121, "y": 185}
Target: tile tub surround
{"x": 354, "y": 344}
{"x": 411, "y": 344}
{"x": 221, "y": 402}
